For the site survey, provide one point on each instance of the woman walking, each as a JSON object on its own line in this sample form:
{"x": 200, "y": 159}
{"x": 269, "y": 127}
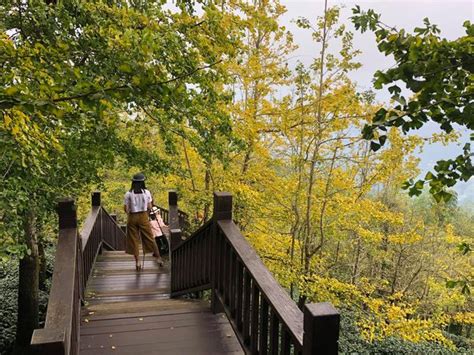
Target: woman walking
{"x": 137, "y": 203}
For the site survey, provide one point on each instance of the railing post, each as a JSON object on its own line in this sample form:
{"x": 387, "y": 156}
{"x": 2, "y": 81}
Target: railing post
{"x": 222, "y": 211}
{"x": 95, "y": 199}
{"x": 222, "y": 206}
{"x": 173, "y": 210}
{"x": 175, "y": 236}
{"x": 96, "y": 202}
{"x": 321, "y": 329}
{"x": 67, "y": 213}
{"x": 173, "y": 219}
{"x": 62, "y": 325}
{"x": 114, "y": 230}
{"x": 175, "y": 233}
{"x": 175, "y": 240}
{"x": 172, "y": 198}
{"x": 123, "y": 227}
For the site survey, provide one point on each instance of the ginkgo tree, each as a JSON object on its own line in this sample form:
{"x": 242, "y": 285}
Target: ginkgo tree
{"x": 71, "y": 72}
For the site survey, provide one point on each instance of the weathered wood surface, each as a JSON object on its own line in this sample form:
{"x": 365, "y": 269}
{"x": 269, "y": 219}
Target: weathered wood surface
{"x": 59, "y": 336}
{"x": 114, "y": 279}
{"x": 129, "y": 312}
{"x": 264, "y": 317}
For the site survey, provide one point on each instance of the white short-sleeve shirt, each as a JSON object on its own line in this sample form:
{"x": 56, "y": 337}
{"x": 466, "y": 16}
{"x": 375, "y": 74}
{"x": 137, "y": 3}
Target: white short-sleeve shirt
{"x": 137, "y": 202}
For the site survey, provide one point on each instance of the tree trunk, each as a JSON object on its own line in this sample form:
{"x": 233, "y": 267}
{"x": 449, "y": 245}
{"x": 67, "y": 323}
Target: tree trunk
{"x": 355, "y": 268}
{"x": 301, "y": 302}
{"x": 207, "y": 181}
{"x": 395, "y": 273}
{"x": 43, "y": 273}
{"x": 292, "y": 257}
{"x": 27, "y": 319}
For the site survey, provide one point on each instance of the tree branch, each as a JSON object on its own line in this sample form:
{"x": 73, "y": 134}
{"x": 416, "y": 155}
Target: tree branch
{"x": 122, "y": 87}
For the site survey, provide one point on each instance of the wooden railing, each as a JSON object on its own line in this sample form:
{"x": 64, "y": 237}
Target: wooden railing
{"x": 75, "y": 257}
{"x": 177, "y": 219}
{"x": 265, "y": 319}
{"x": 174, "y": 217}
{"x": 192, "y": 262}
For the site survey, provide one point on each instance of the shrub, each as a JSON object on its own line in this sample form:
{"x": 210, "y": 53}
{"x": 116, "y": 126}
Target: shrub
{"x": 351, "y": 342}
{"x": 8, "y": 300}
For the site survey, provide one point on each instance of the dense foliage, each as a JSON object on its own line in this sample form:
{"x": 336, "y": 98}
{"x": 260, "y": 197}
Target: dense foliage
{"x": 8, "y": 299}
{"x": 72, "y": 70}
{"x": 73, "y": 74}
{"x": 201, "y": 98}
{"x": 438, "y": 73}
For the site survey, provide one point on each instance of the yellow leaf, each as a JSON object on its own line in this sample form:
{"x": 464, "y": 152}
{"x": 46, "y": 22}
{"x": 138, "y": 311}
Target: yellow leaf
{"x": 7, "y": 119}
{"x": 12, "y": 90}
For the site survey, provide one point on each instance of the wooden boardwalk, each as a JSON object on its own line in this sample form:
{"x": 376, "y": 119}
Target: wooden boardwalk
{"x": 129, "y": 312}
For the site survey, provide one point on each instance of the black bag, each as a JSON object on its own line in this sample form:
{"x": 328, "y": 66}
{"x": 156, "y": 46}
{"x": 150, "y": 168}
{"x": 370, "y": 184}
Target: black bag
{"x": 163, "y": 246}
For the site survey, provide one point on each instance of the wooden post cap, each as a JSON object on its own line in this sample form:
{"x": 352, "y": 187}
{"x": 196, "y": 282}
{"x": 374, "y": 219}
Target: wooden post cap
{"x": 321, "y": 329}
{"x": 175, "y": 231}
{"x": 66, "y": 209}
{"x": 222, "y": 206}
{"x": 172, "y": 198}
{"x": 95, "y": 198}
{"x": 48, "y": 341}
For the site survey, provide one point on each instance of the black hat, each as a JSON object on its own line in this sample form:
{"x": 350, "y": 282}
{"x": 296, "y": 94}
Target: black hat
{"x": 138, "y": 177}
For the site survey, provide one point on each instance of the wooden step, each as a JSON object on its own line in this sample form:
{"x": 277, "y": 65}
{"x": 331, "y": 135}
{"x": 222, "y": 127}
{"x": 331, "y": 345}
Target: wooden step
{"x": 156, "y": 327}
{"x": 130, "y": 312}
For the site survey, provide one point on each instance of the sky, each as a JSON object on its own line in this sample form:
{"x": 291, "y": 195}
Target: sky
{"x": 449, "y": 15}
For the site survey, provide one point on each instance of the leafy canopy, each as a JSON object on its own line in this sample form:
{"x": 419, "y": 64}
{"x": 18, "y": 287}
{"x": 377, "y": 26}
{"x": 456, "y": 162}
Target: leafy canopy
{"x": 439, "y": 74}
{"x": 73, "y": 73}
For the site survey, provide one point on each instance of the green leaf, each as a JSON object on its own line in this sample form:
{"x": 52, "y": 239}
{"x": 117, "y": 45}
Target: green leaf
{"x": 374, "y": 146}
{"x": 451, "y": 284}
{"x": 464, "y": 248}
{"x": 126, "y": 68}
{"x": 12, "y": 90}
{"x": 429, "y": 176}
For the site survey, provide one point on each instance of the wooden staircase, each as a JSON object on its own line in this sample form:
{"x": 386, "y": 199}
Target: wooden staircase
{"x": 99, "y": 304}
{"x": 129, "y": 312}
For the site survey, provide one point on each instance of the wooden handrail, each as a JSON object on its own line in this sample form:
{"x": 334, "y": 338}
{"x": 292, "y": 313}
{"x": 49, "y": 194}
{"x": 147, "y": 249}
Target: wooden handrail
{"x": 263, "y": 316}
{"x": 88, "y": 225}
{"x": 164, "y": 214}
{"x": 190, "y": 268}
{"x": 75, "y": 257}
{"x": 278, "y": 299}
{"x": 112, "y": 234}
{"x": 61, "y": 332}
{"x": 91, "y": 240}
{"x": 100, "y": 230}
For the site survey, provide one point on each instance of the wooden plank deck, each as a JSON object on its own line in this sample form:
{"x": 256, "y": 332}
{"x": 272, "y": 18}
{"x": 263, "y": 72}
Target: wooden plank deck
{"x": 129, "y": 312}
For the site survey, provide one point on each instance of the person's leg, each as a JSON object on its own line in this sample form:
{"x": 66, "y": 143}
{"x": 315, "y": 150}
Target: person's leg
{"x": 133, "y": 239}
